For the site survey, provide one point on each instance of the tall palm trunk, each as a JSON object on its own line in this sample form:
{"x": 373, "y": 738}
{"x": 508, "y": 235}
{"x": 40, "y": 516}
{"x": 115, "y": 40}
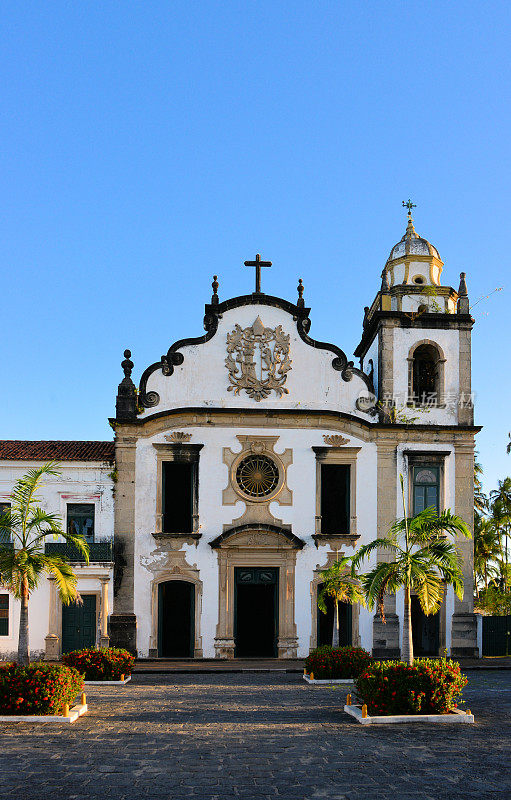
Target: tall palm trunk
{"x": 23, "y": 656}
{"x": 407, "y": 629}
{"x": 335, "y": 637}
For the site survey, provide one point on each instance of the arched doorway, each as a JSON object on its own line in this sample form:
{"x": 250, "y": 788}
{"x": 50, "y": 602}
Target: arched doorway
{"x": 325, "y": 622}
{"x": 176, "y": 619}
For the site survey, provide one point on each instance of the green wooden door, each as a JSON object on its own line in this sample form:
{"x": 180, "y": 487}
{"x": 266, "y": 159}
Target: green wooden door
{"x": 79, "y": 624}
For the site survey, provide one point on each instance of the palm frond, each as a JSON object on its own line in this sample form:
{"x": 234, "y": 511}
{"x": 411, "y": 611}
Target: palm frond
{"x": 64, "y": 576}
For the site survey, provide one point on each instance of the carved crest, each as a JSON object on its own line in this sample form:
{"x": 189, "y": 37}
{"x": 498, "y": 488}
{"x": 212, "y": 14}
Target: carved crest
{"x": 334, "y": 440}
{"x": 258, "y": 360}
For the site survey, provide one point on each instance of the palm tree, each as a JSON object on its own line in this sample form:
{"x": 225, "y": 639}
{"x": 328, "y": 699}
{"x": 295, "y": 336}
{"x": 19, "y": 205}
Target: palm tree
{"x": 487, "y": 550}
{"x": 501, "y": 514}
{"x": 420, "y": 563}
{"x": 23, "y": 530}
{"x": 339, "y": 583}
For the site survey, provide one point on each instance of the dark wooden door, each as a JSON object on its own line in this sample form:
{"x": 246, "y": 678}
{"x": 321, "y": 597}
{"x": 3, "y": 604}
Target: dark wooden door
{"x": 425, "y": 630}
{"x": 256, "y": 625}
{"x": 496, "y": 636}
{"x": 79, "y": 624}
{"x": 176, "y": 619}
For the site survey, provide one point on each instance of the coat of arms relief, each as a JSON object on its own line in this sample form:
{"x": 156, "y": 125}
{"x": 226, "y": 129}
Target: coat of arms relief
{"x": 258, "y": 360}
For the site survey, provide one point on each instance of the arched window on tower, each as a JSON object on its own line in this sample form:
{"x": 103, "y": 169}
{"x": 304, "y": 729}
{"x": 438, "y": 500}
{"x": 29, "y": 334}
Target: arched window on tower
{"x": 425, "y": 376}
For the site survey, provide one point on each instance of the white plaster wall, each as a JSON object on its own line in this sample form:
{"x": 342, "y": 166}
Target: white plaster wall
{"x": 404, "y": 339}
{"x": 79, "y": 482}
{"x": 203, "y": 379}
{"x": 213, "y": 478}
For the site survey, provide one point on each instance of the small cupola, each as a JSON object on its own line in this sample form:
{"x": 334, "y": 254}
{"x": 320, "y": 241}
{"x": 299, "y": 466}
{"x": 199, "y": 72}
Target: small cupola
{"x": 413, "y": 261}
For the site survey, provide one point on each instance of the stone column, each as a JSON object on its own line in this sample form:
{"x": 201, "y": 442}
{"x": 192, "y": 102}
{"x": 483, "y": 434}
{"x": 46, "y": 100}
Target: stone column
{"x": 52, "y": 640}
{"x": 386, "y": 634}
{"x": 104, "y": 639}
{"x": 123, "y": 622}
{"x": 464, "y": 623}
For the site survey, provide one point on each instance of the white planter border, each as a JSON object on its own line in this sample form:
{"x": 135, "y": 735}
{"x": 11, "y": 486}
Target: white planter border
{"x": 74, "y": 713}
{"x": 107, "y": 683}
{"x": 342, "y": 681}
{"x": 456, "y": 716}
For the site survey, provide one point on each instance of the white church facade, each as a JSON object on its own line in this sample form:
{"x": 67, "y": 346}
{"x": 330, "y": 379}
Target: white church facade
{"x": 247, "y": 459}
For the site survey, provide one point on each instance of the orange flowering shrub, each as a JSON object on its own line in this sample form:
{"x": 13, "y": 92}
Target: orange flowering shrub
{"x": 105, "y": 664}
{"x": 340, "y": 662}
{"x": 431, "y": 686}
{"x": 38, "y": 689}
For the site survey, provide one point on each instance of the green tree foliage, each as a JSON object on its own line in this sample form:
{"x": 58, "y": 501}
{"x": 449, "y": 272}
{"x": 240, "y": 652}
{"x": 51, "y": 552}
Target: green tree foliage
{"x": 343, "y": 587}
{"x": 422, "y": 559}
{"x": 23, "y": 531}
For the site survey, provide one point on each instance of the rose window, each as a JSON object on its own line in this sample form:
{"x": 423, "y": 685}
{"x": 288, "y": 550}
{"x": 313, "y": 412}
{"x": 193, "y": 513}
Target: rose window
{"x": 257, "y": 476}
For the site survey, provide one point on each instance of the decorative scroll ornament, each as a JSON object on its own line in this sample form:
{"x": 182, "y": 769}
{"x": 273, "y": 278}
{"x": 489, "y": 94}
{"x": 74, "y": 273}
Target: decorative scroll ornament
{"x": 178, "y": 437}
{"x": 334, "y": 440}
{"x": 258, "y": 360}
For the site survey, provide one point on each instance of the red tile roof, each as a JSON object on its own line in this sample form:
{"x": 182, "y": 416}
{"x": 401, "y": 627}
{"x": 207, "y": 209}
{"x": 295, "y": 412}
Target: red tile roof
{"x": 14, "y": 450}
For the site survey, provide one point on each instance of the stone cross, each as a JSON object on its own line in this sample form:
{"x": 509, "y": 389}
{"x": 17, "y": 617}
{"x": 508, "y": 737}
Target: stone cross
{"x": 258, "y": 264}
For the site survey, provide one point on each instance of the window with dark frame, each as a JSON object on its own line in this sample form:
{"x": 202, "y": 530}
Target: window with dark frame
{"x": 4, "y": 614}
{"x": 425, "y": 375}
{"x": 426, "y": 488}
{"x": 81, "y": 520}
{"x": 335, "y": 499}
{"x": 4, "y": 537}
{"x": 178, "y": 496}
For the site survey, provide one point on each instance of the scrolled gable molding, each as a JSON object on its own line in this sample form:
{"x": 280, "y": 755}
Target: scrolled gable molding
{"x": 213, "y": 313}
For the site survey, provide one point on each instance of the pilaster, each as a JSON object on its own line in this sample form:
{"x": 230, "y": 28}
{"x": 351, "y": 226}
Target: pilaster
{"x": 123, "y": 621}
{"x": 464, "y": 625}
{"x": 386, "y": 634}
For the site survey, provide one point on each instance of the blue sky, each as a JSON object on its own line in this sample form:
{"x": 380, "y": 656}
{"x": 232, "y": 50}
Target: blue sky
{"x": 147, "y": 145}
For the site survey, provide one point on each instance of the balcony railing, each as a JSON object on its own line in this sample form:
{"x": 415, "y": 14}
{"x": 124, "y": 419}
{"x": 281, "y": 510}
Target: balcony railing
{"x": 98, "y": 551}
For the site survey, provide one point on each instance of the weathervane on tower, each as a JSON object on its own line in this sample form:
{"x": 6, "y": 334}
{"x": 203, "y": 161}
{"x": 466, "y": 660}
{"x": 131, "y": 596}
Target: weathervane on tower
{"x": 258, "y": 264}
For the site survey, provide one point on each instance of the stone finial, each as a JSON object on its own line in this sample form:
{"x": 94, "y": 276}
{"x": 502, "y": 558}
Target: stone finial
{"x": 126, "y": 402}
{"x": 463, "y": 301}
{"x": 127, "y": 364}
{"x": 214, "y": 296}
{"x": 300, "y": 289}
{"x": 366, "y": 315}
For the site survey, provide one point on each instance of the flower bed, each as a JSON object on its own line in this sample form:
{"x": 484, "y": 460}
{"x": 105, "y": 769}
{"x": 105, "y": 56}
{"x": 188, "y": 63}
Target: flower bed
{"x": 105, "y": 664}
{"x": 340, "y": 662}
{"x": 38, "y": 689}
{"x": 431, "y": 686}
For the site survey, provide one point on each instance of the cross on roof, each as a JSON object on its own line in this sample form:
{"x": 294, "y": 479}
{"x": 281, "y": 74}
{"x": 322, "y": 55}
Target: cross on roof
{"x": 409, "y": 205}
{"x": 258, "y": 264}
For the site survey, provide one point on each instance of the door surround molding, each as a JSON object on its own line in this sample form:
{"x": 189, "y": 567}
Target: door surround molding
{"x": 257, "y": 548}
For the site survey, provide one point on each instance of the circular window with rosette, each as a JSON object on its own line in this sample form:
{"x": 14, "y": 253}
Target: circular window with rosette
{"x": 257, "y": 476}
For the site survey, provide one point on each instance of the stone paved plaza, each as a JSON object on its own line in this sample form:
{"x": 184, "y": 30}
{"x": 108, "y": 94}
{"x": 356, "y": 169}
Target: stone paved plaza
{"x": 256, "y": 736}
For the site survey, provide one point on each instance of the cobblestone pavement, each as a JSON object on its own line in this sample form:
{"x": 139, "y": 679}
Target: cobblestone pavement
{"x": 253, "y": 737}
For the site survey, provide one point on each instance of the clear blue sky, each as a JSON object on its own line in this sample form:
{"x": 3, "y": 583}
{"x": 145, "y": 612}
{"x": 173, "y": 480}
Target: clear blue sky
{"x": 147, "y": 145}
